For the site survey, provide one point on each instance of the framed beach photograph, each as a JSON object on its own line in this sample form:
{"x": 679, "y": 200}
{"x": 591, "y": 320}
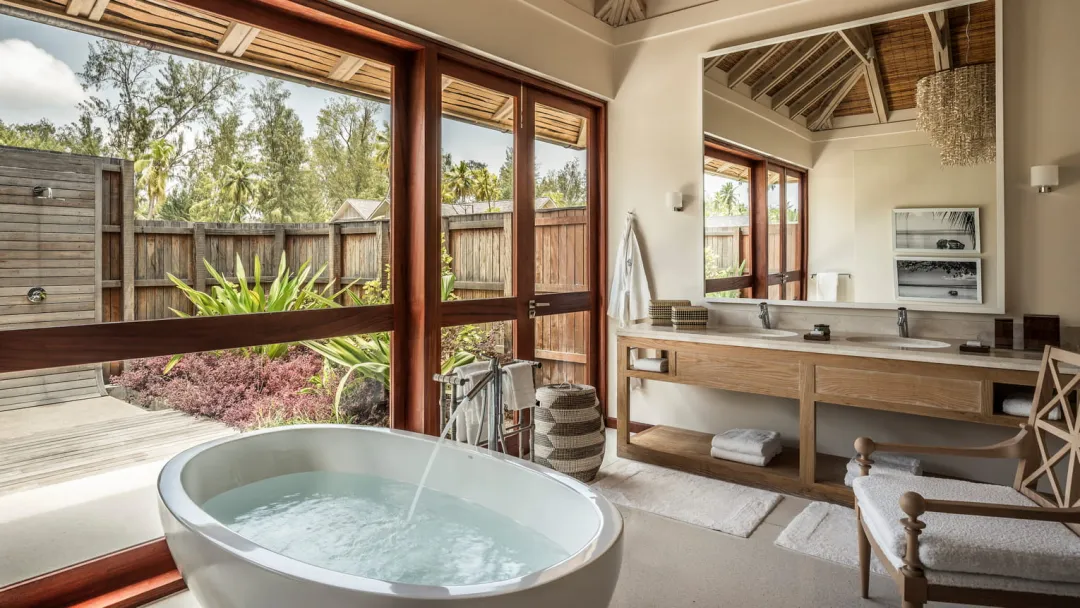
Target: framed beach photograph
{"x": 954, "y": 280}
{"x": 937, "y": 230}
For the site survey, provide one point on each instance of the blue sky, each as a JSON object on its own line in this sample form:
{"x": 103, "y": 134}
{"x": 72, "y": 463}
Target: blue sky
{"x": 38, "y": 80}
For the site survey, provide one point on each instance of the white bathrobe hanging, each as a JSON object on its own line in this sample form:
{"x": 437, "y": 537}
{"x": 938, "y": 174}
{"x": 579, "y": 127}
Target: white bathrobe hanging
{"x": 629, "y": 298}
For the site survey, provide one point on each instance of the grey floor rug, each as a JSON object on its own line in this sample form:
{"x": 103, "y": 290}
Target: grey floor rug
{"x": 827, "y": 532}
{"x": 693, "y": 499}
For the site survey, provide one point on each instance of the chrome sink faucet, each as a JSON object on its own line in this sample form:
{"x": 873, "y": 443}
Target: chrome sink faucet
{"x": 763, "y": 314}
{"x": 901, "y": 321}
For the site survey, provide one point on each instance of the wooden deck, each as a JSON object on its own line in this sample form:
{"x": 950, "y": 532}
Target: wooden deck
{"x": 50, "y": 457}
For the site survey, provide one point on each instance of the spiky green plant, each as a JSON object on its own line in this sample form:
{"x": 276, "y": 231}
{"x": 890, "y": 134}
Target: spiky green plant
{"x": 286, "y": 293}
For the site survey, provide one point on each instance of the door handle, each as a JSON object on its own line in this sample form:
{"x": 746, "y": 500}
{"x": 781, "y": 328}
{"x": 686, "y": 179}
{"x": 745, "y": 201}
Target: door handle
{"x": 534, "y": 306}
{"x": 36, "y": 295}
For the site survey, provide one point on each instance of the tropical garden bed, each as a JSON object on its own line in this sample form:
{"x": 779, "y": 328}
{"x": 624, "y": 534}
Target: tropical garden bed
{"x": 340, "y": 380}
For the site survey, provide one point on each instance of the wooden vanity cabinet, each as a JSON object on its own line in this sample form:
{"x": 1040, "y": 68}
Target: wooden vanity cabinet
{"x": 936, "y": 390}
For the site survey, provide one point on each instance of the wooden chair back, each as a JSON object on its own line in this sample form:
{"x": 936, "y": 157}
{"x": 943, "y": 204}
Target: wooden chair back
{"x": 1055, "y": 389}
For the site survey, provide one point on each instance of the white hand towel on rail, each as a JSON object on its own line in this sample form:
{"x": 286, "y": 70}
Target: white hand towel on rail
{"x": 519, "y": 393}
{"x": 759, "y": 461}
{"x": 827, "y": 284}
{"x": 469, "y": 426}
{"x": 753, "y": 442}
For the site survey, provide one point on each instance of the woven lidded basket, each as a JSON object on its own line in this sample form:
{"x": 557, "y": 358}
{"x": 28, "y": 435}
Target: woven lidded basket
{"x": 569, "y": 430}
{"x": 689, "y": 316}
{"x": 660, "y": 310}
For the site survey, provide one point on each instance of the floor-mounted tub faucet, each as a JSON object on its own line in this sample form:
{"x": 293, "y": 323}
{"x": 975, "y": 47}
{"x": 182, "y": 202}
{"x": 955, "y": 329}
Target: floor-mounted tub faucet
{"x": 901, "y": 321}
{"x": 763, "y": 314}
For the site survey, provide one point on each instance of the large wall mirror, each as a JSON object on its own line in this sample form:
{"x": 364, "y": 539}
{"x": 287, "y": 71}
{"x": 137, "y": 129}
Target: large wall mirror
{"x": 859, "y": 165}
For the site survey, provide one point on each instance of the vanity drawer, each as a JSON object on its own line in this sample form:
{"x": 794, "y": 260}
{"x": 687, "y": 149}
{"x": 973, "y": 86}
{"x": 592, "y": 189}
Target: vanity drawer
{"x": 952, "y": 394}
{"x": 763, "y": 376}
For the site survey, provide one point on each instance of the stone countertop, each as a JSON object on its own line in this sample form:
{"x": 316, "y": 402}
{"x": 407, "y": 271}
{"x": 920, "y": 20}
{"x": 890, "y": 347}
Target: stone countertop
{"x": 839, "y": 345}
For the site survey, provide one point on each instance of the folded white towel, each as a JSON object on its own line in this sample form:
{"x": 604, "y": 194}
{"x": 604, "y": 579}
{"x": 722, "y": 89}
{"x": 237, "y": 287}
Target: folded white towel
{"x": 752, "y": 442}
{"x": 1020, "y": 405}
{"x": 884, "y": 464}
{"x": 755, "y": 460}
{"x": 889, "y": 461}
{"x": 652, "y": 364}
{"x": 519, "y": 393}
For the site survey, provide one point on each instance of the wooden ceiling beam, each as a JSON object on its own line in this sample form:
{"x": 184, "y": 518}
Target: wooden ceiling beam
{"x": 877, "y": 90}
{"x": 860, "y": 41}
{"x": 504, "y": 111}
{"x": 824, "y": 86}
{"x": 788, "y": 64}
{"x": 938, "y": 22}
{"x": 237, "y": 39}
{"x": 823, "y": 116}
{"x": 346, "y": 68}
{"x": 711, "y": 63}
{"x": 811, "y": 74}
{"x": 91, "y": 9}
{"x": 621, "y": 12}
{"x": 751, "y": 61}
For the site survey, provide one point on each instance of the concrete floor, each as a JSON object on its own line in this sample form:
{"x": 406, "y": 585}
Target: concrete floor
{"x": 30, "y": 420}
{"x": 669, "y": 564}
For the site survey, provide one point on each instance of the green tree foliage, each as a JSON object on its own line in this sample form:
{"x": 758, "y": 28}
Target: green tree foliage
{"x": 279, "y": 135}
{"x": 152, "y": 96}
{"x": 506, "y": 175}
{"x": 460, "y": 180}
{"x": 725, "y": 201}
{"x": 80, "y": 137}
{"x": 349, "y": 153}
{"x": 565, "y": 186}
{"x": 153, "y": 168}
{"x": 485, "y": 185}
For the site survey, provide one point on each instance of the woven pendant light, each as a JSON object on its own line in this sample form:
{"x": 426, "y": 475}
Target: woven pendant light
{"x": 956, "y": 108}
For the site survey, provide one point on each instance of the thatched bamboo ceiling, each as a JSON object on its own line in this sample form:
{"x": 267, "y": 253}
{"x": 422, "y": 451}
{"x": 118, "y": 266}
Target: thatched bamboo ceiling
{"x": 203, "y": 33}
{"x": 869, "y": 71}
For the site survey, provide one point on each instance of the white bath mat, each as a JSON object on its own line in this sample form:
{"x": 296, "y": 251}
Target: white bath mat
{"x": 827, "y": 532}
{"x": 697, "y": 500}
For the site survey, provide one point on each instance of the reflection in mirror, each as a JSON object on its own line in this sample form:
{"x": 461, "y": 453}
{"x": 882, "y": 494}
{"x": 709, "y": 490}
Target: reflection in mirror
{"x": 829, "y": 156}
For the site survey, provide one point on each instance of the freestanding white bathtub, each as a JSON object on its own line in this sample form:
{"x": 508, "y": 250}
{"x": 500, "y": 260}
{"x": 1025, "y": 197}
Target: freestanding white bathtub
{"x": 225, "y": 570}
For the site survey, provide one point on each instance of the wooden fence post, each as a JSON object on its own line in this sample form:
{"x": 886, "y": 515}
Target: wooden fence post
{"x": 279, "y": 246}
{"x": 200, "y": 257}
{"x": 508, "y": 254}
{"x": 333, "y": 255}
{"x": 382, "y": 251}
{"x": 127, "y": 240}
{"x": 446, "y": 239}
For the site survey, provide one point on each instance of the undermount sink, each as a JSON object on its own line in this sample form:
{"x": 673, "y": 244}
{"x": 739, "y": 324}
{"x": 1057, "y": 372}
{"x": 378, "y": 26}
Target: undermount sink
{"x": 753, "y": 332}
{"x": 897, "y": 342}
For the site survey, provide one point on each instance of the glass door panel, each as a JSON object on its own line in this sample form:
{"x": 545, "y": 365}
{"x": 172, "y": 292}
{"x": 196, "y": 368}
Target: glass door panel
{"x": 561, "y": 200}
{"x": 793, "y": 245}
{"x": 477, "y": 206}
{"x": 775, "y": 235}
{"x": 728, "y": 251}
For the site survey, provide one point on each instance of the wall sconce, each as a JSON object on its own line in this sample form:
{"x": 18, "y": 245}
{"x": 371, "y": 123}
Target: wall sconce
{"x": 42, "y": 192}
{"x": 1044, "y": 177}
{"x": 674, "y": 201}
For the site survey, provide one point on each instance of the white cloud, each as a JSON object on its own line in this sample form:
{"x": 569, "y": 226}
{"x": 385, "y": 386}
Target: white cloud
{"x": 36, "y": 85}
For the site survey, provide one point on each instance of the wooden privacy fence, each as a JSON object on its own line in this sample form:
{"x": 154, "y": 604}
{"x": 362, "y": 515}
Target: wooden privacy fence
{"x": 480, "y": 245}
{"x": 731, "y": 244}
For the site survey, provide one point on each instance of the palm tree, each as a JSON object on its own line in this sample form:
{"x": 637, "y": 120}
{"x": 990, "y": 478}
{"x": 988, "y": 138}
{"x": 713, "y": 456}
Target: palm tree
{"x": 383, "y": 147}
{"x": 961, "y": 220}
{"x": 461, "y": 181}
{"x": 725, "y": 201}
{"x": 485, "y": 186}
{"x": 153, "y": 168}
{"x": 239, "y": 185}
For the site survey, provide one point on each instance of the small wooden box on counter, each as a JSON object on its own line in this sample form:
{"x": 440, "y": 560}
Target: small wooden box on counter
{"x": 1041, "y": 331}
{"x": 660, "y": 311}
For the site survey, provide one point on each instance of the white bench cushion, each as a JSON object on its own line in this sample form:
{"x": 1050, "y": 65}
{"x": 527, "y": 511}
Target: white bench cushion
{"x": 1035, "y": 550}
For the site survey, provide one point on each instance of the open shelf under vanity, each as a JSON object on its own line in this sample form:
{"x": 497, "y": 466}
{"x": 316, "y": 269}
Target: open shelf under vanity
{"x": 966, "y": 391}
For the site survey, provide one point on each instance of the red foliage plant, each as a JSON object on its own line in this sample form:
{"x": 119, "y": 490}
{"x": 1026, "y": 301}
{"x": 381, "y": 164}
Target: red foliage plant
{"x": 230, "y": 386}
